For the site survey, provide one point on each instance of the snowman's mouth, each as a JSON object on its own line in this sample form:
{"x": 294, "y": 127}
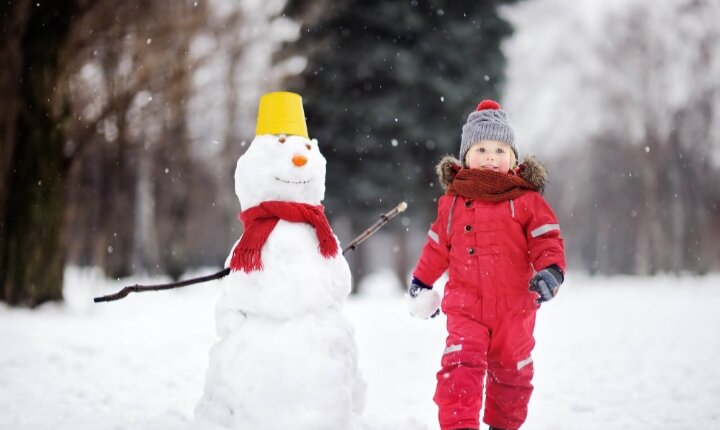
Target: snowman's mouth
{"x": 292, "y": 182}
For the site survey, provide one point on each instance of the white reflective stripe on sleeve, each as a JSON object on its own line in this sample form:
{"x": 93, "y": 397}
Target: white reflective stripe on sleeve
{"x": 512, "y": 208}
{"x": 433, "y": 236}
{"x": 524, "y": 363}
{"x": 544, "y": 229}
{"x": 452, "y": 348}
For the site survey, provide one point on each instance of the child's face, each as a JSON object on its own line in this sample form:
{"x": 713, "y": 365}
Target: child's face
{"x": 490, "y": 155}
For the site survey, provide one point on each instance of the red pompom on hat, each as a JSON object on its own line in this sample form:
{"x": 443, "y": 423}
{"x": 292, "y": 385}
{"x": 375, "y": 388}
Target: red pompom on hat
{"x": 488, "y": 104}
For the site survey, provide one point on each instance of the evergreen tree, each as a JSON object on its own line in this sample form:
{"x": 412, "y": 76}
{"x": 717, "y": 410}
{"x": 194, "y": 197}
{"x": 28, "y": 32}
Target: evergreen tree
{"x": 387, "y": 88}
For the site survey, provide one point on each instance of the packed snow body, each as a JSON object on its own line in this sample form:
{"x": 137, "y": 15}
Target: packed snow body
{"x": 281, "y": 329}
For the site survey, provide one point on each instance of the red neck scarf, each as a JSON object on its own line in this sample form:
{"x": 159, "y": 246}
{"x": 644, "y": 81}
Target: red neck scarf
{"x": 259, "y": 222}
{"x": 488, "y": 185}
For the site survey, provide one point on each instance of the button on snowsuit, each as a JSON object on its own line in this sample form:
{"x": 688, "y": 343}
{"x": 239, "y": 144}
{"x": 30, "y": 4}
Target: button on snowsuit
{"x": 490, "y": 250}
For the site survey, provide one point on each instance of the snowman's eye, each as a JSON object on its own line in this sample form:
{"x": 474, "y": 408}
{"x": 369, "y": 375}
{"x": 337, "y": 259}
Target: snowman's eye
{"x": 281, "y": 139}
{"x": 307, "y": 145}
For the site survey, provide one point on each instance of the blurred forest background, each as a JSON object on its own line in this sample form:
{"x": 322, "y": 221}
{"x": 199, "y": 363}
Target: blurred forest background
{"x": 121, "y": 123}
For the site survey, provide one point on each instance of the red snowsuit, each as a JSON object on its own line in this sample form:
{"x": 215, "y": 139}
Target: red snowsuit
{"x": 490, "y": 249}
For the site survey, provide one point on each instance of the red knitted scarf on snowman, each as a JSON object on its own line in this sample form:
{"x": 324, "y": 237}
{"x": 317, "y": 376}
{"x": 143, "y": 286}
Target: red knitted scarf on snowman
{"x": 259, "y": 222}
{"x": 488, "y": 185}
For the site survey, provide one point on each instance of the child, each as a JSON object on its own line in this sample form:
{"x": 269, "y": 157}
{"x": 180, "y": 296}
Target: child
{"x": 501, "y": 243}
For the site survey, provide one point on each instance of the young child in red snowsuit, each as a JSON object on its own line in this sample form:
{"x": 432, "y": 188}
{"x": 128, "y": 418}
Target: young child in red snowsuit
{"x": 501, "y": 243}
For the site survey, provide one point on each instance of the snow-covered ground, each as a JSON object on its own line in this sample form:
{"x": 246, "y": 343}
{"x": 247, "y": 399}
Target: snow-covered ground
{"x": 612, "y": 353}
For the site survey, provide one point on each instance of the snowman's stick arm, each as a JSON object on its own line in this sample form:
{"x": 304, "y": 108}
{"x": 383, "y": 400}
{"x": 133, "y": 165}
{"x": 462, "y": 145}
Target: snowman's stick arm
{"x": 140, "y": 288}
{"x": 384, "y": 218}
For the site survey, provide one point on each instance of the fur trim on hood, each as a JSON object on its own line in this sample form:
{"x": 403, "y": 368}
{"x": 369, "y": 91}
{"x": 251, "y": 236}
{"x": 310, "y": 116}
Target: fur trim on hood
{"x": 530, "y": 169}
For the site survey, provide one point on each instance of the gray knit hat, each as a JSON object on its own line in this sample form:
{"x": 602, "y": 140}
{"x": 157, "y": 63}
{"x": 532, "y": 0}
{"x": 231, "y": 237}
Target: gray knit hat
{"x": 488, "y": 122}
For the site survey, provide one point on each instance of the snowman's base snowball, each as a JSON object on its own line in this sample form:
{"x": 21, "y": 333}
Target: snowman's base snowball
{"x": 298, "y": 373}
{"x": 424, "y": 304}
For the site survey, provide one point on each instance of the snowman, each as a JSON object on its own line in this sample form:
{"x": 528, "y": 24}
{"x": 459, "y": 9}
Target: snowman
{"x": 286, "y": 357}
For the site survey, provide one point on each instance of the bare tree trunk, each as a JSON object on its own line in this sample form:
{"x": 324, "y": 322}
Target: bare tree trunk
{"x": 358, "y": 267}
{"x": 13, "y": 24}
{"x": 31, "y": 267}
{"x": 174, "y": 160}
{"x": 145, "y": 242}
{"x": 227, "y": 202}
{"x": 643, "y": 244}
{"x": 705, "y": 193}
{"x": 402, "y": 259}
{"x": 119, "y": 203}
{"x": 602, "y": 245}
{"x": 700, "y": 240}
{"x": 678, "y": 190}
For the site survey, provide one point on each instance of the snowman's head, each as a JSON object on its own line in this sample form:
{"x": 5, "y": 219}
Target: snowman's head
{"x": 281, "y": 168}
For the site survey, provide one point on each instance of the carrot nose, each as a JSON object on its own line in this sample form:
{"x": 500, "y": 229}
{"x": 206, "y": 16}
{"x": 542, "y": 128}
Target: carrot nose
{"x": 299, "y": 160}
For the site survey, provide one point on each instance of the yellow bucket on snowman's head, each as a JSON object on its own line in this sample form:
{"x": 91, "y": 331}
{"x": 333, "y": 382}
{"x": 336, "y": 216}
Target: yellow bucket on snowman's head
{"x": 281, "y": 112}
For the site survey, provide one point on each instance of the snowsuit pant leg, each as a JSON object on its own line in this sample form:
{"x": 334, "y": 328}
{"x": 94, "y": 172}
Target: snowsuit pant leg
{"x": 510, "y": 369}
{"x": 460, "y": 380}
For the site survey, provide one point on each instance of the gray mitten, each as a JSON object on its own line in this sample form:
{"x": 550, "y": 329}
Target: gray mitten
{"x": 546, "y": 283}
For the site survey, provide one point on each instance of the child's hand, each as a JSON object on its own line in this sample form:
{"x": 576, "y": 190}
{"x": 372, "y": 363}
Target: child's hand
{"x": 422, "y": 301}
{"x": 546, "y": 283}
